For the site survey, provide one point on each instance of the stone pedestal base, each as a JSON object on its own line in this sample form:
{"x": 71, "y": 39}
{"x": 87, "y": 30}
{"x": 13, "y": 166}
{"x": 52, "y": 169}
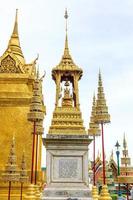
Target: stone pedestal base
{"x": 67, "y": 167}
{"x": 66, "y": 193}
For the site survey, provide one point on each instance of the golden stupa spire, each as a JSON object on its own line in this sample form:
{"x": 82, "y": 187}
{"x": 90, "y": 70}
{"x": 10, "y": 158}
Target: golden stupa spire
{"x": 94, "y": 129}
{"x": 15, "y": 30}
{"x": 66, "y": 60}
{"x": 102, "y": 115}
{"x": 66, "y": 49}
{"x": 66, "y": 76}
{"x": 14, "y": 43}
{"x": 125, "y": 160}
{"x": 112, "y": 155}
{"x": 11, "y": 172}
{"x": 124, "y": 142}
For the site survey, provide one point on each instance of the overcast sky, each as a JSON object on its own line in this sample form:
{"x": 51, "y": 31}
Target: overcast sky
{"x": 100, "y": 35}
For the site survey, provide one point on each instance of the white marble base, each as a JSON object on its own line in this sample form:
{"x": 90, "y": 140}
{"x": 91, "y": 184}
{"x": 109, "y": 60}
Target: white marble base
{"x": 67, "y": 168}
{"x": 66, "y": 193}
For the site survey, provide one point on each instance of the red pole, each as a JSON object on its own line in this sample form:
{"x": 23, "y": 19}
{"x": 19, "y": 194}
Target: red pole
{"x": 94, "y": 178}
{"x": 21, "y": 191}
{"x": 9, "y": 191}
{"x": 36, "y": 159}
{"x": 103, "y": 154}
{"x": 33, "y": 150}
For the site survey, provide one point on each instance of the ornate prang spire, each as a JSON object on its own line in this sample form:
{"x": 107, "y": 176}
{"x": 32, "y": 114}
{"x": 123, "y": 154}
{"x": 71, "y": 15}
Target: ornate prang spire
{"x": 94, "y": 129}
{"x": 124, "y": 142}
{"x": 102, "y": 115}
{"x": 14, "y": 43}
{"x": 112, "y": 155}
{"x": 15, "y": 30}
{"x": 11, "y": 172}
{"x": 125, "y": 160}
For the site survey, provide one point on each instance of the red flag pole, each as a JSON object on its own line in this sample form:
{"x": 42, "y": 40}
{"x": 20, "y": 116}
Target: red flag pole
{"x": 33, "y": 150}
{"x": 36, "y": 159}
{"x": 103, "y": 154}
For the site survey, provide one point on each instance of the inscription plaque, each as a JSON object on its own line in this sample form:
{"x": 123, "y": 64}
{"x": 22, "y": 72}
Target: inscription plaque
{"x": 68, "y": 168}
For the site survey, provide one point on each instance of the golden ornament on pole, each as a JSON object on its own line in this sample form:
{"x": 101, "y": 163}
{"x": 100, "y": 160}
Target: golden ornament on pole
{"x": 102, "y": 117}
{"x": 94, "y": 131}
{"x": 36, "y": 115}
{"x": 11, "y": 173}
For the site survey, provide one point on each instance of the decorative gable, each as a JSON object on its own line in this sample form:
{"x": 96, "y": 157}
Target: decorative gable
{"x": 9, "y": 65}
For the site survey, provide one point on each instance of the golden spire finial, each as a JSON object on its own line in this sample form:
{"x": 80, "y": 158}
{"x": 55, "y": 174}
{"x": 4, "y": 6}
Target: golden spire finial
{"x": 124, "y": 142}
{"x": 66, "y": 50}
{"x": 14, "y": 43}
{"x": 15, "y": 30}
{"x": 66, "y": 17}
{"x": 100, "y": 78}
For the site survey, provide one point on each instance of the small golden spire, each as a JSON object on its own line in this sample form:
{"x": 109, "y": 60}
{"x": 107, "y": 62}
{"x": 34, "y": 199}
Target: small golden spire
{"x": 15, "y": 30}
{"x": 112, "y": 155}
{"x": 94, "y": 129}
{"x": 14, "y": 43}
{"x": 11, "y": 168}
{"x": 125, "y": 160}
{"x": 124, "y": 142}
{"x": 102, "y": 115}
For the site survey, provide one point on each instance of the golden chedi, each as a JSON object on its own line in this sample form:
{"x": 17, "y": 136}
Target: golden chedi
{"x": 11, "y": 173}
{"x": 16, "y": 90}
